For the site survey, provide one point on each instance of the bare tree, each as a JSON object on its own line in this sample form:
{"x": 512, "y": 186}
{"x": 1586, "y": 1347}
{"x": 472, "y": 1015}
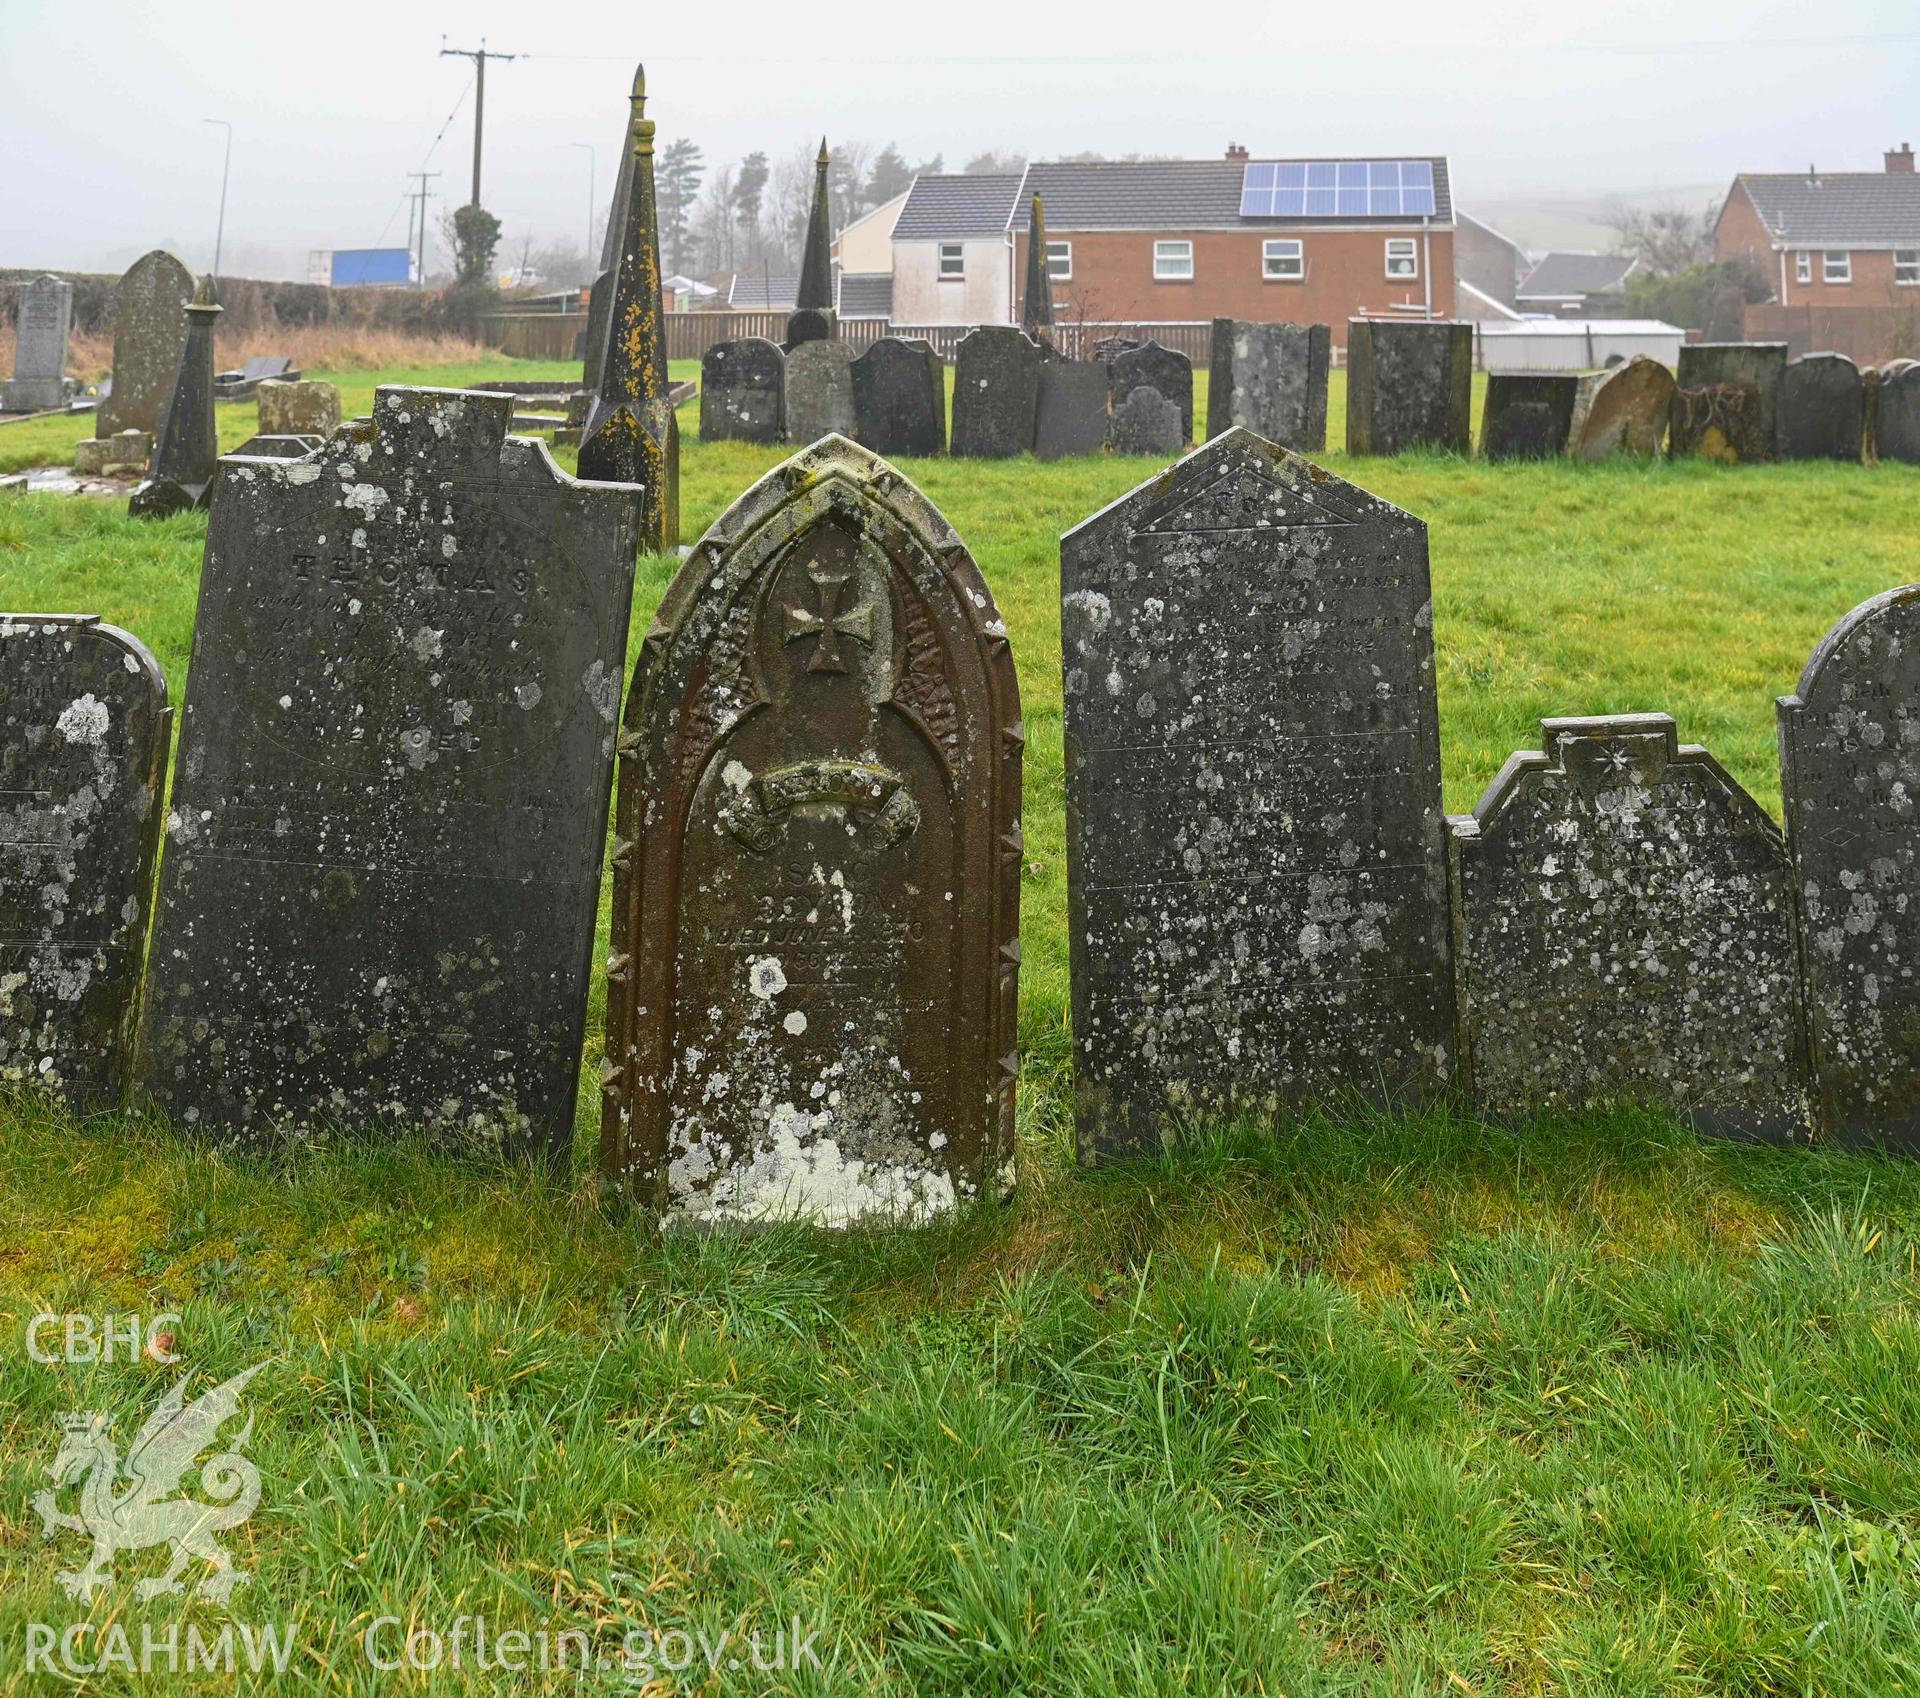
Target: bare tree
{"x": 1664, "y": 239}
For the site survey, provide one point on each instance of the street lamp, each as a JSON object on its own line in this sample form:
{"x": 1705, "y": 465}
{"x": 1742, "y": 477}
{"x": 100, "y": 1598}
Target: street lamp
{"x": 593, "y": 166}
{"x": 220, "y": 231}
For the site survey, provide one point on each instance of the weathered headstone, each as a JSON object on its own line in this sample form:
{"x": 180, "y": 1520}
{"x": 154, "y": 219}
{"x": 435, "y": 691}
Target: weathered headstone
{"x": 149, "y": 324}
{"x": 1850, "y": 784}
{"x": 1527, "y": 415}
{"x": 1896, "y": 415}
{"x": 1147, "y": 423}
{"x": 900, "y": 398}
{"x": 1409, "y": 386}
{"x": 83, "y": 760}
{"x": 812, "y": 998}
{"x": 996, "y": 392}
{"x": 298, "y": 409}
{"x": 281, "y": 447}
{"x": 1726, "y": 405}
{"x": 743, "y": 391}
{"x": 126, "y": 451}
{"x": 1151, "y": 366}
{"x": 1626, "y": 933}
{"x": 1822, "y": 409}
{"x": 1256, "y": 853}
{"x": 809, "y": 324}
{"x": 819, "y": 391}
{"x": 1070, "y": 415}
{"x": 44, "y": 316}
{"x": 1623, "y": 411}
{"x": 383, "y": 860}
{"x": 1272, "y": 380}
{"x": 187, "y": 449}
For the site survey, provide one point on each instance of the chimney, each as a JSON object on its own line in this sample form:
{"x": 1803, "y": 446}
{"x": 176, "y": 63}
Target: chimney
{"x": 1236, "y": 154}
{"x": 1901, "y": 158}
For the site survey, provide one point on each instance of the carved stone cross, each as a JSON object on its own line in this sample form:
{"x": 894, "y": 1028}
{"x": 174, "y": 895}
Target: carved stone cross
{"x": 829, "y": 624}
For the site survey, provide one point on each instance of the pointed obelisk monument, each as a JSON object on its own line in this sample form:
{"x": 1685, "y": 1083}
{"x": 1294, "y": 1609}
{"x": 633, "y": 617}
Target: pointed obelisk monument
{"x": 186, "y": 451}
{"x": 1036, "y": 304}
{"x": 812, "y": 319}
{"x": 631, "y": 435}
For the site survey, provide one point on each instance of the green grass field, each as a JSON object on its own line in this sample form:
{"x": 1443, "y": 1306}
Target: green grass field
{"x": 1360, "y": 1405}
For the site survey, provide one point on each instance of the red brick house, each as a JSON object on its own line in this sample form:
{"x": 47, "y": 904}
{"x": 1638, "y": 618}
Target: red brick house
{"x": 1180, "y": 241}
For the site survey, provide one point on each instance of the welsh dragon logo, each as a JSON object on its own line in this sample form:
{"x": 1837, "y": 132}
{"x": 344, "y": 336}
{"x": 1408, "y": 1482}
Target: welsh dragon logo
{"x": 132, "y": 1506}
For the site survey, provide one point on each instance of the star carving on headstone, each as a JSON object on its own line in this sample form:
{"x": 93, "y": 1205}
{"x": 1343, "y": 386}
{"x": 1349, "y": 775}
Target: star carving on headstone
{"x": 828, "y": 623}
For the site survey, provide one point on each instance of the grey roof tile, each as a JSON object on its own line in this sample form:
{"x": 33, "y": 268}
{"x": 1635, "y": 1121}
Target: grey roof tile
{"x": 1837, "y": 209}
{"x": 1174, "y": 194}
{"x": 866, "y": 294}
{"x": 1560, "y": 277}
{"x": 954, "y": 209}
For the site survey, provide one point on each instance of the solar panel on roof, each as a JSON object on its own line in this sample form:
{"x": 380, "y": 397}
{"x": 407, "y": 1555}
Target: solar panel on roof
{"x": 1338, "y": 188}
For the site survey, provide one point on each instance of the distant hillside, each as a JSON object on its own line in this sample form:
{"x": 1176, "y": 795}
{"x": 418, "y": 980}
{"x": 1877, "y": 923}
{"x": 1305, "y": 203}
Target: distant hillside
{"x": 1574, "y": 223}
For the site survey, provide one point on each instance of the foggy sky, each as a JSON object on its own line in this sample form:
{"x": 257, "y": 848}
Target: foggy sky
{"x": 334, "y": 101}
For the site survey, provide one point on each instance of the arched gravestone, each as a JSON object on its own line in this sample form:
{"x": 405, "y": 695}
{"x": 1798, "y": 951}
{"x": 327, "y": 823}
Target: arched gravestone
{"x": 1527, "y": 414}
{"x": 84, "y": 726}
{"x": 1626, "y": 933}
{"x": 1256, "y": 853}
{"x": 1726, "y": 403}
{"x": 1151, "y": 366}
{"x": 1822, "y": 409}
{"x": 743, "y": 387}
{"x": 1623, "y": 411}
{"x": 1272, "y": 379}
{"x": 819, "y": 391}
{"x": 996, "y": 393}
{"x": 1147, "y": 423}
{"x": 1896, "y": 421}
{"x": 1850, "y": 782}
{"x": 149, "y": 324}
{"x": 812, "y": 998}
{"x": 1409, "y": 386}
{"x": 1071, "y": 411}
{"x": 900, "y": 398}
{"x": 382, "y": 872}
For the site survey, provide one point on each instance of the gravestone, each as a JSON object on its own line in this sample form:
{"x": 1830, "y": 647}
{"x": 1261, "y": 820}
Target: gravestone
{"x": 1623, "y": 411}
{"x": 83, "y": 762}
{"x": 1896, "y": 415}
{"x": 900, "y": 398}
{"x": 185, "y": 452}
{"x": 1151, "y": 366}
{"x": 378, "y": 898}
{"x": 1147, "y": 423}
{"x": 1110, "y": 348}
{"x": 996, "y": 393}
{"x": 1070, "y": 415}
{"x": 809, "y": 324}
{"x": 811, "y": 1006}
{"x": 1409, "y": 386}
{"x": 1822, "y": 409}
{"x": 293, "y": 447}
{"x": 1726, "y": 405}
{"x": 819, "y": 391}
{"x": 1256, "y": 853}
{"x": 1272, "y": 380}
{"x": 298, "y": 409}
{"x": 127, "y": 451}
{"x": 1527, "y": 415}
{"x": 1850, "y": 785}
{"x": 743, "y": 391}
{"x": 1626, "y": 933}
{"x": 149, "y": 324}
{"x": 44, "y": 317}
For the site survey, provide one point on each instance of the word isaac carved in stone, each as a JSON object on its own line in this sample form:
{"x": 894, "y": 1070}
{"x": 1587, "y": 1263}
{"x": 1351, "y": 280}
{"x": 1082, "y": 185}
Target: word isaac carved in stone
{"x": 812, "y": 993}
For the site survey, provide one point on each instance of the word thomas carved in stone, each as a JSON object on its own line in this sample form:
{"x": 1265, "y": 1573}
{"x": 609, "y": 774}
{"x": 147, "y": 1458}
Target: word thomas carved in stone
{"x": 1626, "y": 933}
{"x": 811, "y": 1002}
{"x": 83, "y": 758}
{"x": 1256, "y": 853}
{"x": 1850, "y": 781}
{"x": 383, "y": 855}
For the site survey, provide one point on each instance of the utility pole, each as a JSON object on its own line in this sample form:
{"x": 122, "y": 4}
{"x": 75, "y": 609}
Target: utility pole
{"x": 226, "y": 165}
{"x": 420, "y": 195}
{"x": 479, "y": 55}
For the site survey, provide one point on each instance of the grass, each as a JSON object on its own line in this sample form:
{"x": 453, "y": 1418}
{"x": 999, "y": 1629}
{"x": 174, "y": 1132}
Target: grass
{"x": 1361, "y": 1405}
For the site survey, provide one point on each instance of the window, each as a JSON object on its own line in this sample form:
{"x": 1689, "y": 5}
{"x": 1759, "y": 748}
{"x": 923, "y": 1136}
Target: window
{"x": 1060, "y": 261}
{"x": 1403, "y": 258}
{"x": 1284, "y": 260}
{"x": 1172, "y": 262}
{"x": 1906, "y": 266}
{"x": 1803, "y": 267}
{"x": 1836, "y": 266}
{"x": 953, "y": 260}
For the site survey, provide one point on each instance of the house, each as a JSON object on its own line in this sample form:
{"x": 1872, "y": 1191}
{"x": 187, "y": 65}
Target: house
{"x": 761, "y": 291}
{"x": 863, "y": 262}
{"x": 1832, "y": 239}
{"x": 1487, "y": 269}
{"x": 686, "y": 294}
{"x": 1577, "y": 285}
{"x": 1184, "y": 241}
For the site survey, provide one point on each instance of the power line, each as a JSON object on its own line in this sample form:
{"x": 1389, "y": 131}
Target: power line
{"x": 479, "y": 55}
